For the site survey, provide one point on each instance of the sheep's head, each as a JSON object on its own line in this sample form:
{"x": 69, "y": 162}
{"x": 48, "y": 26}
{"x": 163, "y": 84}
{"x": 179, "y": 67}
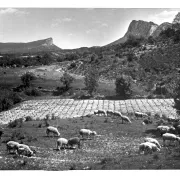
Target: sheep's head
{"x": 178, "y": 139}
{"x": 171, "y": 128}
{"x": 94, "y": 133}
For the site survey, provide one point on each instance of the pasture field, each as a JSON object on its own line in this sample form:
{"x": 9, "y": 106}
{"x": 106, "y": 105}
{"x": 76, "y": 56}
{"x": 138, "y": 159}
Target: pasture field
{"x": 114, "y": 148}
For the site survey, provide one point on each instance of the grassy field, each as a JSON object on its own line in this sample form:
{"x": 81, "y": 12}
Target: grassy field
{"x": 47, "y": 79}
{"x": 115, "y": 147}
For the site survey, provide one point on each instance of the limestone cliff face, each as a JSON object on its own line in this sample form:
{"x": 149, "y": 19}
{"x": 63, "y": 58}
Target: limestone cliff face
{"x": 141, "y": 28}
{"x": 34, "y": 46}
{"x": 48, "y": 42}
{"x": 138, "y": 29}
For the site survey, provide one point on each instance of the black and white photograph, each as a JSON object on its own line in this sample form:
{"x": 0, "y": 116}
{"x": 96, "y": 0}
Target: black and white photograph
{"x": 89, "y": 88}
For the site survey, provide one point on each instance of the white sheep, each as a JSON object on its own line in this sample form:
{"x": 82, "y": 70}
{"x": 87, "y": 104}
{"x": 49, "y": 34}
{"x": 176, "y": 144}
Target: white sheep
{"x": 140, "y": 114}
{"x": 152, "y": 140}
{"x": 148, "y": 147}
{"x": 109, "y": 112}
{"x": 170, "y": 137}
{"x": 53, "y": 130}
{"x": 165, "y": 129}
{"x": 25, "y": 150}
{"x": 125, "y": 118}
{"x": 100, "y": 111}
{"x": 74, "y": 141}
{"x": 117, "y": 113}
{"x": 12, "y": 145}
{"x": 61, "y": 142}
{"x": 87, "y": 133}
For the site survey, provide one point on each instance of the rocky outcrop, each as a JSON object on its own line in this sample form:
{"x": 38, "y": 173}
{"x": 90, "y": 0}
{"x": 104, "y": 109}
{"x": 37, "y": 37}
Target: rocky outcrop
{"x": 160, "y": 28}
{"x": 141, "y": 29}
{"x": 138, "y": 29}
{"x": 35, "y": 46}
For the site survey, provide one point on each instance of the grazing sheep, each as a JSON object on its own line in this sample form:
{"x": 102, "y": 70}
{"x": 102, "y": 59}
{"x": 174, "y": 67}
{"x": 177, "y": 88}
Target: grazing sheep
{"x": 61, "y": 142}
{"x": 152, "y": 140}
{"x": 53, "y": 130}
{"x": 148, "y": 147}
{"x": 165, "y": 129}
{"x": 140, "y": 114}
{"x": 100, "y": 111}
{"x": 109, "y": 112}
{"x": 74, "y": 141}
{"x": 94, "y": 133}
{"x": 172, "y": 119}
{"x": 125, "y": 118}
{"x": 24, "y": 150}
{"x": 87, "y": 133}
{"x": 117, "y": 113}
{"x": 147, "y": 121}
{"x": 12, "y": 145}
{"x": 170, "y": 137}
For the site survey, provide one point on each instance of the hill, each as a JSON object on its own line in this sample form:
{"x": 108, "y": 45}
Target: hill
{"x": 30, "y": 47}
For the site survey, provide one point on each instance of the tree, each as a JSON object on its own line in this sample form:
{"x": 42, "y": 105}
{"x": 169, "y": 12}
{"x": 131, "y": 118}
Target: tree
{"x": 27, "y": 78}
{"x": 177, "y": 96}
{"x": 91, "y": 79}
{"x": 66, "y": 79}
{"x": 151, "y": 40}
{"x": 123, "y": 86}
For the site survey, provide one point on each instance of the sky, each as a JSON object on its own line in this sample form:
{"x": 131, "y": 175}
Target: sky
{"x": 75, "y": 27}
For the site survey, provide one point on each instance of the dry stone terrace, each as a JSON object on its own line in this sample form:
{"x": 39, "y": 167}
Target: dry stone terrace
{"x": 69, "y": 108}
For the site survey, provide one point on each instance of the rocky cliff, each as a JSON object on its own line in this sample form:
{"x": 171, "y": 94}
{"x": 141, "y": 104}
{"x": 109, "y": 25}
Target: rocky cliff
{"x": 138, "y": 29}
{"x": 34, "y": 46}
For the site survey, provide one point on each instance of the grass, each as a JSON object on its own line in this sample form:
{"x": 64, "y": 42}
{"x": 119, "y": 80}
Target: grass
{"x": 12, "y": 79}
{"x": 115, "y": 148}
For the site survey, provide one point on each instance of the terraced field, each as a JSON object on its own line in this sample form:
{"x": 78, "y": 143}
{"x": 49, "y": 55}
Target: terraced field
{"x": 69, "y": 108}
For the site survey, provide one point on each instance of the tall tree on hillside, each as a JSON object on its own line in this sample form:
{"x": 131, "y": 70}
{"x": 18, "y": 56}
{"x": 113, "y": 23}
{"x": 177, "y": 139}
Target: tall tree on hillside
{"x": 91, "y": 80}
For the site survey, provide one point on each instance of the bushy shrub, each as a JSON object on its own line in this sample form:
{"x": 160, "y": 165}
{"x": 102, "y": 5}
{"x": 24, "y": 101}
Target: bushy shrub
{"x": 6, "y": 103}
{"x": 15, "y": 123}
{"x": 8, "y": 99}
{"x": 29, "y": 118}
{"x": 59, "y": 91}
{"x": 32, "y": 92}
{"x": 67, "y": 79}
{"x": 72, "y": 65}
{"x": 16, "y": 98}
{"x": 27, "y": 78}
{"x": 91, "y": 80}
{"x": 130, "y": 57}
{"x": 123, "y": 87}
{"x": 19, "y": 135}
{"x": 177, "y": 98}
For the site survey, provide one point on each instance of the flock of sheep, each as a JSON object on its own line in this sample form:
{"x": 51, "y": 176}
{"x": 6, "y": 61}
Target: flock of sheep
{"x": 148, "y": 146}
{"x": 22, "y": 149}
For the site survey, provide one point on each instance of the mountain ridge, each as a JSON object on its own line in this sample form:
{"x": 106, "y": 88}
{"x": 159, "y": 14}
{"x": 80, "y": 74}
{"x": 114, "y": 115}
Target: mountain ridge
{"x": 33, "y": 46}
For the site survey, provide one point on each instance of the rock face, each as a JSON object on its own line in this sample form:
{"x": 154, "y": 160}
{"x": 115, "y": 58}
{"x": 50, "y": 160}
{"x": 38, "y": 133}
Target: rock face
{"x": 138, "y": 29}
{"x": 160, "y": 28}
{"x": 141, "y": 29}
{"x": 34, "y": 46}
{"x": 177, "y": 18}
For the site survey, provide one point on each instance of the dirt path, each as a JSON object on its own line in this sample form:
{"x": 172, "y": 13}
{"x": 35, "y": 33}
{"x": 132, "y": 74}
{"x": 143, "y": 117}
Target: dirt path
{"x": 69, "y": 108}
